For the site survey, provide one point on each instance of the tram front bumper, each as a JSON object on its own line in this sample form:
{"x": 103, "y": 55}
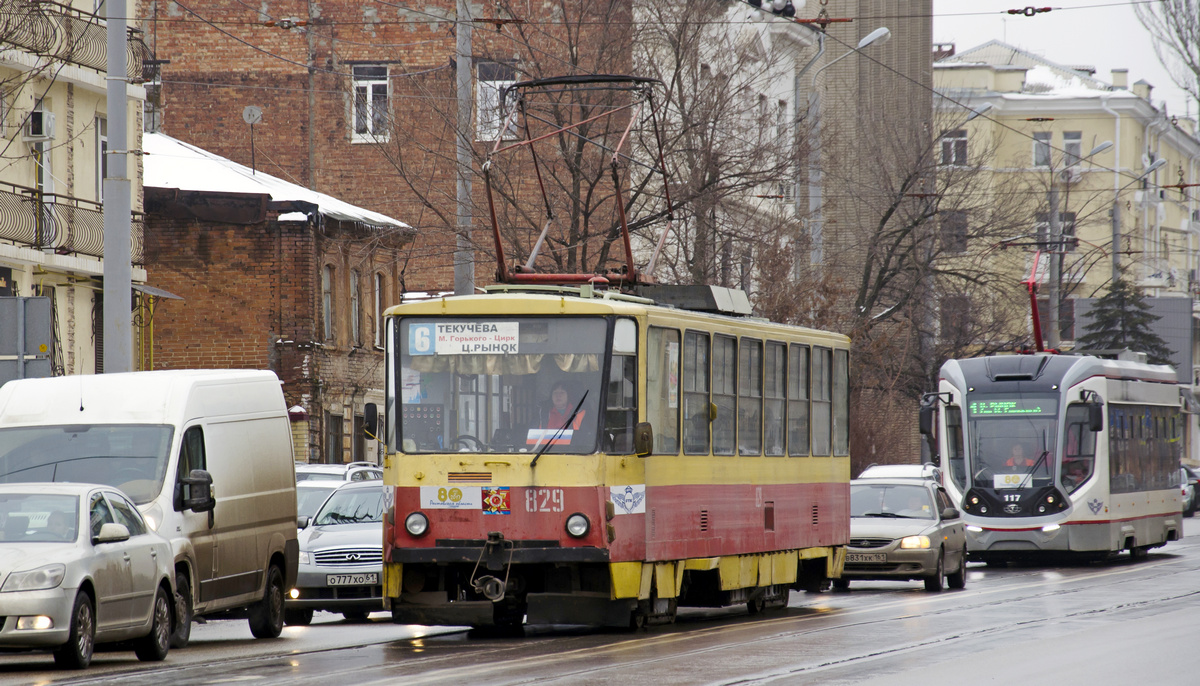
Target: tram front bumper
{"x": 984, "y": 543}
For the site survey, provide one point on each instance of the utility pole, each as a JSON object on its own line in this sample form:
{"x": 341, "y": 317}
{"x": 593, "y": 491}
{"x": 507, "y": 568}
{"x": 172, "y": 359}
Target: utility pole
{"x": 1116, "y": 238}
{"x": 1052, "y": 336}
{"x": 464, "y": 253}
{"x": 118, "y": 272}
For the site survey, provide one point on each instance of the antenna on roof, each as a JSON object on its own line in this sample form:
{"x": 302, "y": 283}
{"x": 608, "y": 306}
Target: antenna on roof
{"x": 252, "y": 115}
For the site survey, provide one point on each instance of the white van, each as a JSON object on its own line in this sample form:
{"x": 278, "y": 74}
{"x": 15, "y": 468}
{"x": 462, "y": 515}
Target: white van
{"x": 205, "y": 454}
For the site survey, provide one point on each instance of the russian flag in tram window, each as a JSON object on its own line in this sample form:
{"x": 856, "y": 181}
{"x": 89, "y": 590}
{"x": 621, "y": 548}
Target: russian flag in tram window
{"x": 551, "y": 436}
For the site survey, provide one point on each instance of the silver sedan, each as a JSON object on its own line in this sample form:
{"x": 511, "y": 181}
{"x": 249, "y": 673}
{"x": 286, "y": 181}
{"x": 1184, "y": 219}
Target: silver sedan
{"x": 78, "y": 567}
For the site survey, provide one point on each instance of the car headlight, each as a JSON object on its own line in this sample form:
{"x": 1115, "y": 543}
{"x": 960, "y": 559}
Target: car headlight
{"x": 153, "y": 516}
{"x": 38, "y": 579}
{"x": 306, "y": 557}
{"x": 912, "y": 542}
{"x": 416, "y": 524}
{"x": 578, "y": 525}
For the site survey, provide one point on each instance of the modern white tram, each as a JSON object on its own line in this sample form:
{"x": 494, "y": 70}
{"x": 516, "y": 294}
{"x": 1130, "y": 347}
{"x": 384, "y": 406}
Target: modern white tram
{"x": 1059, "y": 454}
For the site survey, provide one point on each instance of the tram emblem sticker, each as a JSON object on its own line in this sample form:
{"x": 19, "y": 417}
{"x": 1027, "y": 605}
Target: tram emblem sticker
{"x": 628, "y": 499}
{"x": 495, "y": 500}
{"x": 1095, "y": 505}
{"x": 452, "y": 497}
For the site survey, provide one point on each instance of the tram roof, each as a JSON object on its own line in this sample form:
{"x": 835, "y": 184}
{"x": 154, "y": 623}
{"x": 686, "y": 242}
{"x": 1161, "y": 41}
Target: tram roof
{"x": 569, "y": 301}
{"x": 1047, "y": 372}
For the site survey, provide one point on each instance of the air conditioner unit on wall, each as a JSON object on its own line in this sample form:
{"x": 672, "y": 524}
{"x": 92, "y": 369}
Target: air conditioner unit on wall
{"x": 39, "y": 126}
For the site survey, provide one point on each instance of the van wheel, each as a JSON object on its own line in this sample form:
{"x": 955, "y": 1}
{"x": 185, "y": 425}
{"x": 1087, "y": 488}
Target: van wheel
{"x": 266, "y": 617}
{"x": 182, "y": 632}
{"x": 76, "y": 653}
{"x": 153, "y": 646}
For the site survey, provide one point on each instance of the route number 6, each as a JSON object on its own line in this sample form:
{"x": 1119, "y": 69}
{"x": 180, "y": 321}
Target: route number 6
{"x": 420, "y": 339}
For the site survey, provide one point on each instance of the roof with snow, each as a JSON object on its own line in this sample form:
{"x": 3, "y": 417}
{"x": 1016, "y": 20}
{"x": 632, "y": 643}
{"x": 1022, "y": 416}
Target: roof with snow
{"x": 1041, "y": 70}
{"x": 171, "y": 163}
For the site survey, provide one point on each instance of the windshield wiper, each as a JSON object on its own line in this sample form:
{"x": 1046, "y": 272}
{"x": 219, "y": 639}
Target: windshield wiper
{"x": 888, "y": 515}
{"x": 1040, "y": 461}
{"x": 558, "y": 433}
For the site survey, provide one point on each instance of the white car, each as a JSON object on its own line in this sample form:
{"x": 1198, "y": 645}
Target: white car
{"x": 78, "y": 567}
{"x": 354, "y": 471}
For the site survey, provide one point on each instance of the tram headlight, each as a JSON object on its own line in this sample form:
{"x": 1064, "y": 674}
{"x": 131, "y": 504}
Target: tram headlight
{"x": 578, "y": 525}
{"x": 914, "y": 542}
{"x": 416, "y": 524}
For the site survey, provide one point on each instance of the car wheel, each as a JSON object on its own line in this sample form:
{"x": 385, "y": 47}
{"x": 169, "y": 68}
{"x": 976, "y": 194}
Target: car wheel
{"x": 933, "y": 583}
{"x": 356, "y": 615}
{"x": 153, "y": 646}
{"x": 298, "y": 617}
{"x": 841, "y": 584}
{"x": 959, "y": 579}
{"x": 76, "y": 653}
{"x": 182, "y": 632}
{"x": 266, "y": 617}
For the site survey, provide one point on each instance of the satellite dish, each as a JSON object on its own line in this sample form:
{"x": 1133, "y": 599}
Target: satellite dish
{"x": 252, "y": 115}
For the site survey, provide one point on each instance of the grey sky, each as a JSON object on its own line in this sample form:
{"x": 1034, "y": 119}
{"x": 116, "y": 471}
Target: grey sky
{"x": 1076, "y": 32}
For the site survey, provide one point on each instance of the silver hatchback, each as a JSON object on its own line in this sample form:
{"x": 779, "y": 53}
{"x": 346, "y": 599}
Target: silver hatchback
{"x": 903, "y": 529}
{"x": 79, "y": 567}
{"x": 341, "y": 556}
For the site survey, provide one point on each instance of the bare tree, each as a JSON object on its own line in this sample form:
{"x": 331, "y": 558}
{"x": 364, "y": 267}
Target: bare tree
{"x": 1175, "y": 27}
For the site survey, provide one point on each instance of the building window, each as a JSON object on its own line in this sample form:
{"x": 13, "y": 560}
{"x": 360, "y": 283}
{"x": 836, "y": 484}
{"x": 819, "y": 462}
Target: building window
{"x": 1072, "y": 147}
{"x": 490, "y": 112}
{"x": 355, "y": 309}
{"x": 954, "y": 148}
{"x": 378, "y": 324}
{"x": 370, "y": 103}
{"x": 1066, "y": 221}
{"x": 954, "y": 231}
{"x": 101, "y": 156}
{"x": 333, "y": 439}
{"x": 955, "y": 318}
{"x": 1041, "y": 148}
{"x": 327, "y": 300}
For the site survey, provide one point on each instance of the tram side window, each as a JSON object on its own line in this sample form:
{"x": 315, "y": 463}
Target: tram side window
{"x": 797, "y": 403}
{"x": 750, "y": 399}
{"x": 695, "y": 393}
{"x": 822, "y": 396}
{"x": 954, "y": 446}
{"x": 1143, "y": 449}
{"x": 841, "y": 402}
{"x": 724, "y": 394}
{"x": 1079, "y": 453}
{"x": 662, "y": 388}
{"x": 774, "y": 398}
{"x": 621, "y": 413}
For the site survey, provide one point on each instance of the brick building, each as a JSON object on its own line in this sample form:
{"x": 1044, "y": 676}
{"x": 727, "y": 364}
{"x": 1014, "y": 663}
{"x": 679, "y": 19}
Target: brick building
{"x": 272, "y": 276}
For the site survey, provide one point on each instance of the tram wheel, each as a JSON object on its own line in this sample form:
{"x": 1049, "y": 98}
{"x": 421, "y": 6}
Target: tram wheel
{"x": 841, "y": 584}
{"x": 755, "y": 604}
{"x": 1139, "y": 552}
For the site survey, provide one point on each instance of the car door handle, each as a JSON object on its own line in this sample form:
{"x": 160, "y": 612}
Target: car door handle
{"x": 126, "y": 556}
{"x": 153, "y": 553}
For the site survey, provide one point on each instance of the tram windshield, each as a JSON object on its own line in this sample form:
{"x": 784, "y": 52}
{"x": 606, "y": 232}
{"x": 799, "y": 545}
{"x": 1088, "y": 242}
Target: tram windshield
{"x": 1011, "y": 439}
{"x": 500, "y": 384}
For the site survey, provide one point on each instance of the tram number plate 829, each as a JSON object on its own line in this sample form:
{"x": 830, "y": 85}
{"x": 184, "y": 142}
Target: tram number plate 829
{"x": 544, "y": 500}
{"x": 866, "y": 557}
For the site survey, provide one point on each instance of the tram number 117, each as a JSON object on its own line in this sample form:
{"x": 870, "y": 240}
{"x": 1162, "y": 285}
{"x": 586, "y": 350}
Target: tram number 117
{"x": 544, "y": 500}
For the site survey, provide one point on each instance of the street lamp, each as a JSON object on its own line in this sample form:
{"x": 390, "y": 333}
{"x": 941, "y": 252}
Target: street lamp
{"x": 816, "y": 198}
{"x": 1116, "y": 216}
{"x": 1054, "y": 294}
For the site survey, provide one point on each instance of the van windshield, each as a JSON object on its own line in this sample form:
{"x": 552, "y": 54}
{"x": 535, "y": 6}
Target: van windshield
{"x": 131, "y": 457}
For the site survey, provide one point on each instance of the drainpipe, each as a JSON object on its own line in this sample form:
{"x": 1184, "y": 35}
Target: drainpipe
{"x": 1116, "y": 204}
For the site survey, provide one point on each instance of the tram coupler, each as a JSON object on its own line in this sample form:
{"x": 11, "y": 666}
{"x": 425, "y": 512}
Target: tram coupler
{"x": 493, "y": 551}
{"x": 489, "y": 587}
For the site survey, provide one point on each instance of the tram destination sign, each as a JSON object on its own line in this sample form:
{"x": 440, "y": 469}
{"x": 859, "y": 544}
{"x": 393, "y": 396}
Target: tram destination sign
{"x": 464, "y": 338}
{"x": 1036, "y": 407}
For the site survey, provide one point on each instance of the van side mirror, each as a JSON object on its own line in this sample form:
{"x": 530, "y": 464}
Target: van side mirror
{"x": 111, "y": 533}
{"x": 643, "y": 439}
{"x": 1096, "y": 417}
{"x": 926, "y": 417}
{"x": 371, "y": 420}
{"x": 199, "y": 483}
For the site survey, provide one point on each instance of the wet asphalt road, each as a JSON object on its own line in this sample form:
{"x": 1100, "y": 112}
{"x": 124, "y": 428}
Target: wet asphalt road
{"x": 1121, "y": 622}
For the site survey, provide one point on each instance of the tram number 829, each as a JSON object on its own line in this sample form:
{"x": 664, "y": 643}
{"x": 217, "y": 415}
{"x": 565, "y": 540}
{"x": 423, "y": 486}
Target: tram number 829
{"x": 544, "y": 500}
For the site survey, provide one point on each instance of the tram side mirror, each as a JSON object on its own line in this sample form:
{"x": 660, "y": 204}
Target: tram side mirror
{"x": 371, "y": 420}
{"x": 925, "y": 419}
{"x": 1095, "y": 417}
{"x": 643, "y": 439}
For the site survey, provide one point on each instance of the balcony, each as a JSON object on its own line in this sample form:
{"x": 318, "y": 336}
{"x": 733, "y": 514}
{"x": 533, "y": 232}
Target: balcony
{"x": 61, "y": 32}
{"x": 59, "y": 223}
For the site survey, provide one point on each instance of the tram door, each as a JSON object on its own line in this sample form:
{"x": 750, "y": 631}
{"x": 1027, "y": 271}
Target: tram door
{"x": 669, "y": 409}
